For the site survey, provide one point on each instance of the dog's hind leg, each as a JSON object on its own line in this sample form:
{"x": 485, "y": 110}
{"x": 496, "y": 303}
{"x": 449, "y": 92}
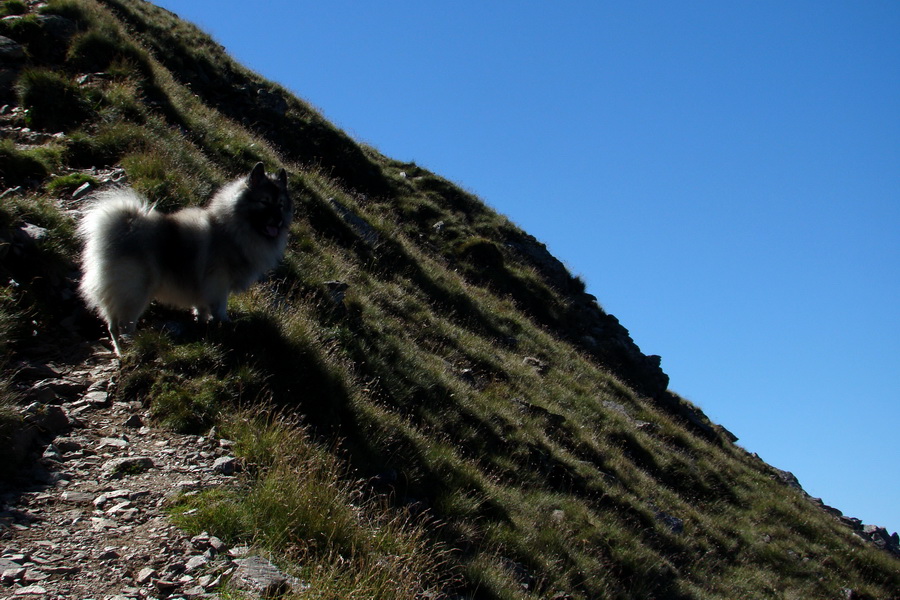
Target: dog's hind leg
{"x": 122, "y": 316}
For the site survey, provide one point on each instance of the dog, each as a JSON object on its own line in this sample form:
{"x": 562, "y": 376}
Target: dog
{"x": 193, "y": 258}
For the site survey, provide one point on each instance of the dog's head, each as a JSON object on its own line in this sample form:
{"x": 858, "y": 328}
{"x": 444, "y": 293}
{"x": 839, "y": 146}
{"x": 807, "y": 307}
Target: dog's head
{"x": 266, "y": 204}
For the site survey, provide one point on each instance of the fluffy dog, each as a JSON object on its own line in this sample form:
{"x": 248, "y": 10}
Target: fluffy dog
{"x": 193, "y": 258}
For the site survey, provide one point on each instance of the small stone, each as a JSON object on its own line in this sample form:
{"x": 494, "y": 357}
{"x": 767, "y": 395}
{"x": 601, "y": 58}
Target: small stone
{"x": 216, "y": 544}
{"x": 119, "y": 467}
{"x": 68, "y": 444}
{"x": 12, "y": 574}
{"x": 120, "y": 507}
{"x": 31, "y": 590}
{"x": 77, "y": 497}
{"x": 674, "y": 524}
{"x": 134, "y": 421}
{"x": 257, "y": 575}
{"x": 52, "y": 453}
{"x": 145, "y": 575}
{"x": 82, "y": 190}
{"x": 34, "y": 576}
{"x": 225, "y": 465}
{"x": 98, "y": 398}
{"x": 114, "y": 442}
{"x": 239, "y": 551}
{"x": 61, "y": 570}
{"x": 537, "y": 364}
{"x": 34, "y": 232}
{"x": 99, "y": 523}
{"x": 165, "y": 586}
{"x": 196, "y": 562}
{"x": 108, "y": 553}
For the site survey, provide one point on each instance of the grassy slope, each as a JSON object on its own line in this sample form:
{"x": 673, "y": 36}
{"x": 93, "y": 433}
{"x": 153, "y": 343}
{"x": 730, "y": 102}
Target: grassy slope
{"x": 432, "y": 455}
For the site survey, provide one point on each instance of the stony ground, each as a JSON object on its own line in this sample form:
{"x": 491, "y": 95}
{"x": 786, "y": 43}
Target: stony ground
{"x": 87, "y": 519}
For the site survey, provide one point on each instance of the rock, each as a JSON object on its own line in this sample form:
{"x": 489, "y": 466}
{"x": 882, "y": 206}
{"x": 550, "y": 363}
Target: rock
{"x": 145, "y": 575}
{"x": 520, "y": 573}
{"x": 61, "y": 570}
{"x": 272, "y": 100}
{"x": 82, "y": 190}
{"x": 134, "y": 421}
{"x": 788, "y": 478}
{"x": 69, "y": 444}
{"x": 360, "y": 226}
{"x": 337, "y": 291}
{"x": 113, "y": 442}
{"x": 11, "y": 575}
{"x": 130, "y": 465}
{"x": 48, "y": 419}
{"x": 77, "y": 497}
{"x": 218, "y": 546}
{"x": 617, "y": 408}
{"x": 34, "y": 576}
{"x": 33, "y": 232}
{"x": 31, "y": 590}
{"x": 196, "y": 562}
{"x": 165, "y": 586}
{"x": 257, "y": 575}
{"x": 51, "y": 452}
{"x": 97, "y": 398}
{"x": 11, "y": 50}
{"x": 225, "y": 465}
{"x": 674, "y": 524}
{"x": 537, "y": 364}
{"x": 100, "y": 524}
{"x": 727, "y": 434}
{"x": 58, "y": 27}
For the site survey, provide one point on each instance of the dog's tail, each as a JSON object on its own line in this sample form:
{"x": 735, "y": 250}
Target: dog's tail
{"x": 111, "y": 213}
{"x": 110, "y": 218}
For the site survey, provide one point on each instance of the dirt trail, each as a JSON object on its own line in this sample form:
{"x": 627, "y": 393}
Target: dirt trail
{"x": 86, "y": 520}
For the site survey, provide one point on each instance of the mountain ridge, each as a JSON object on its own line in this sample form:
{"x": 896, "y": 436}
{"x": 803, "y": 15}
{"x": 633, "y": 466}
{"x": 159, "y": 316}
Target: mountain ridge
{"x": 517, "y": 407}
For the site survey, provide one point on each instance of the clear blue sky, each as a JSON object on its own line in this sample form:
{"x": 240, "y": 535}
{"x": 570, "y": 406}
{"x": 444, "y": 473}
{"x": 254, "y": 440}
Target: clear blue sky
{"x": 724, "y": 175}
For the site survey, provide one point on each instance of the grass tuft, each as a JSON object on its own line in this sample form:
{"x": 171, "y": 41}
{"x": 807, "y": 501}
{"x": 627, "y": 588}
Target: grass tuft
{"x": 293, "y": 497}
{"x": 18, "y": 167}
{"x": 54, "y": 102}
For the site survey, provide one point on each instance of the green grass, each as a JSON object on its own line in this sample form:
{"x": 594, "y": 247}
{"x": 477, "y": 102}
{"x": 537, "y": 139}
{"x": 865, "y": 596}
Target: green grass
{"x": 54, "y": 102}
{"x": 13, "y": 7}
{"x": 18, "y": 167}
{"x": 294, "y": 499}
{"x": 69, "y": 183}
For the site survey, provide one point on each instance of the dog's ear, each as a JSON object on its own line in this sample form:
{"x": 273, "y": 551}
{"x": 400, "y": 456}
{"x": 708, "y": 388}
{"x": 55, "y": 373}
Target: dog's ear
{"x": 257, "y": 175}
{"x": 282, "y": 178}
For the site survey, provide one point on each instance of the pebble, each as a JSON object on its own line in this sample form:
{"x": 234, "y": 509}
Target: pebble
{"x": 196, "y": 562}
{"x": 145, "y": 575}
{"x": 225, "y": 465}
{"x": 11, "y": 575}
{"x": 130, "y": 465}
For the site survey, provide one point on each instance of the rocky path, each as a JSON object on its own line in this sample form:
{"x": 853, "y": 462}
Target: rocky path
{"x": 87, "y": 519}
